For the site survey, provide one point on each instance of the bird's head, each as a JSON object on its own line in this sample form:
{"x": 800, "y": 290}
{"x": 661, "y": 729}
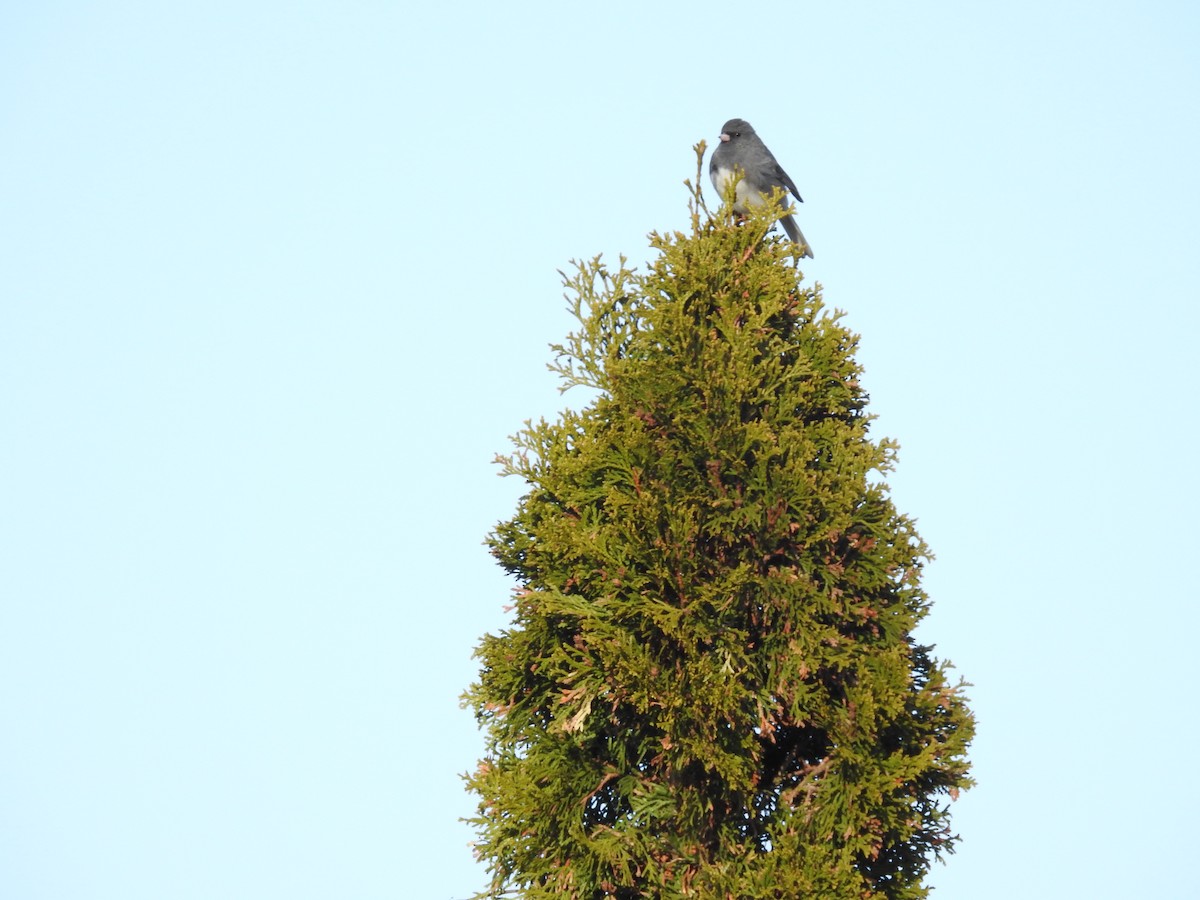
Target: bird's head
{"x": 735, "y": 128}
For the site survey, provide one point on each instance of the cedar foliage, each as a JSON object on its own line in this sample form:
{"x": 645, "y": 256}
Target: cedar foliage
{"x": 710, "y": 688}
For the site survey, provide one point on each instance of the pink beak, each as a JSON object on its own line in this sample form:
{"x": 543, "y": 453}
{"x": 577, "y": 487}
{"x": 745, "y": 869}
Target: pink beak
{"x": 724, "y": 137}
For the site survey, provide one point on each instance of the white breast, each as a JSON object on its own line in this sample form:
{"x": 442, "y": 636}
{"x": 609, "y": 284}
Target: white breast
{"x": 745, "y": 196}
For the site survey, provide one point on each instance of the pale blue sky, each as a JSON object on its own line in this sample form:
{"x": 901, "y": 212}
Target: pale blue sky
{"x": 277, "y": 280}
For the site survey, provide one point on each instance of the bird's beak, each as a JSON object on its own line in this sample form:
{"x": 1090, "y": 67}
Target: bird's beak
{"x": 724, "y": 137}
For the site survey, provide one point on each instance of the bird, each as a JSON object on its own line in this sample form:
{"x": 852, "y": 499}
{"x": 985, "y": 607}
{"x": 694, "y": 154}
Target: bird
{"x": 742, "y": 149}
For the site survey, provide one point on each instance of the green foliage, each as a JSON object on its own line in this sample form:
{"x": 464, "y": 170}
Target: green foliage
{"x": 710, "y": 688}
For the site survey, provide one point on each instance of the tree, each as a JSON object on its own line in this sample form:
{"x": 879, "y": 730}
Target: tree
{"x": 711, "y": 687}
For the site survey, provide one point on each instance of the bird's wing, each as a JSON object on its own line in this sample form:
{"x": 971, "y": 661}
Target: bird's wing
{"x": 787, "y": 182}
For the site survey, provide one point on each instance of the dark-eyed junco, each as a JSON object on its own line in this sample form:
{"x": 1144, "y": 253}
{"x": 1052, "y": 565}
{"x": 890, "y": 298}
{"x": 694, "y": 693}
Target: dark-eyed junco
{"x": 741, "y": 148}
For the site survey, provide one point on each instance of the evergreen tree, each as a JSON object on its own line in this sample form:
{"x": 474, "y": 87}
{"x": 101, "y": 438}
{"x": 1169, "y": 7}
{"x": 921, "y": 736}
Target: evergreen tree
{"x": 711, "y": 687}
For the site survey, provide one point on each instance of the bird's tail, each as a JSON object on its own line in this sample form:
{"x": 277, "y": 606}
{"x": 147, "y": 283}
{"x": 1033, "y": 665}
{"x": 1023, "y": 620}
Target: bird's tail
{"x": 796, "y": 235}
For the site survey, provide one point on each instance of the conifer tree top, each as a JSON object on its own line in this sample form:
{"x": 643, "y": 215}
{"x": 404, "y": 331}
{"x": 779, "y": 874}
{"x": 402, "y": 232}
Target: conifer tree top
{"x": 710, "y": 687}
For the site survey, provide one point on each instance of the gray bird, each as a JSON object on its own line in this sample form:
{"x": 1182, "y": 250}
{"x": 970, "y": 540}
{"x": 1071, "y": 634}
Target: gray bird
{"x": 741, "y": 148}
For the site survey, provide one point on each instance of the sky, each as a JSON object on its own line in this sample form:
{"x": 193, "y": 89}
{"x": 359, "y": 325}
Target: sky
{"x": 277, "y": 282}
